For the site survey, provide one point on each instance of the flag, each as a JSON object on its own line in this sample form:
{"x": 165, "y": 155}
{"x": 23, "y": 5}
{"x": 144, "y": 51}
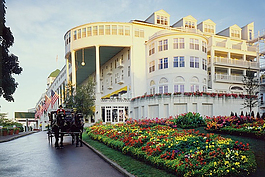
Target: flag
{"x": 54, "y": 97}
{"x": 47, "y": 103}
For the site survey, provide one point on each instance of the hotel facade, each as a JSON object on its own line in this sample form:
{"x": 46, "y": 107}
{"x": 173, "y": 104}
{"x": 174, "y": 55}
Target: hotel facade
{"x": 149, "y": 69}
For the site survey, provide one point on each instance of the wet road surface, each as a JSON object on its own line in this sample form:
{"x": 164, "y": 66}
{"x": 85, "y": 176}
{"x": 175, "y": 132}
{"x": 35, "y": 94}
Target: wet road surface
{"x": 33, "y": 155}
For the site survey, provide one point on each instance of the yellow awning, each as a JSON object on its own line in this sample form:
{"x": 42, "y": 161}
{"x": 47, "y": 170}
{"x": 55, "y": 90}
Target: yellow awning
{"x": 124, "y": 89}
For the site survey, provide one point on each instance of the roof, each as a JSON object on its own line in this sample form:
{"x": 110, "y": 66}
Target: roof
{"x": 24, "y": 115}
{"x": 54, "y": 73}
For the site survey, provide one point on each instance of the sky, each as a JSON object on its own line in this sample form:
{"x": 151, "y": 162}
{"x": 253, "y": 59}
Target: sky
{"x": 39, "y": 27}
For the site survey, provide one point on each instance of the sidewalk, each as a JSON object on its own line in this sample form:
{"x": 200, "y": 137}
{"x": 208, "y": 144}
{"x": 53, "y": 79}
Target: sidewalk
{"x": 12, "y": 137}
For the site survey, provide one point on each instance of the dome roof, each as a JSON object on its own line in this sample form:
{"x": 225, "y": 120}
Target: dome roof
{"x": 54, "y": 73}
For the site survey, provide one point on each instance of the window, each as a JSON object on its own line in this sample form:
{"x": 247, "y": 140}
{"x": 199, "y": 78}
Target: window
{"x": 192, "y": 44}
{"x": 208, "y": 28}
{"x": 159, "y": 46}
{"x": 136, "y": 33}
{"x": 179, "y": 88}
{"x": 166, "y": 21}
{"x": 89, "y": 31}
{"x": 165, "y": 63}
{"x": 192, "y": 62}
{"x": 152, "y": 90}
{"x": 114, "y": 29}
{"x": 101, "y": 29}
{"x": 141, "y": 33}
{"x": 158, "y": 19}
{"x": 151, "y": 66}
{"x": 162, "y": 20}
{"x": 107, "y": 30}
{"x": 79, "y": 34}
{"x": 196, "y": 62}
{"x": 74, "y": 35}
{"x": 83, "y": 32}
{"x": 181, "y": 62}
{"x": 160, "y": 64}
{"x": 163, "y": 89}
{"x": 181, "y": 43}
{"x": 204, "y": 64}
{"x": 95, "y": 30}
{"x": 194, "y": 88}
{"x": 127, "y": 31}
{"x": 120, "y": 30}
{"x": 204, "y": 49}
{"x": 250, "y": 34}
{"x": 175, "y": 43}
{"x": 196, "y": 44}
{"x": 150, "y": 50}
{"x": 178, "y": 61}
{"x": 153, "y": 48}
{"x": 165, "y": 44}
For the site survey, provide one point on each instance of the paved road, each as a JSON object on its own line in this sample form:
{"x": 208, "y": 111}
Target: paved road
{"x": 32, "y": 156}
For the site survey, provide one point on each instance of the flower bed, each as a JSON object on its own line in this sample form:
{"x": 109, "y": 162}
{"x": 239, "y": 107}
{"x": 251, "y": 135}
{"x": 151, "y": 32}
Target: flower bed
{"x": 187, "y": 120}
{"x": 184, "y": 153}
{"x": 243, "y": 125}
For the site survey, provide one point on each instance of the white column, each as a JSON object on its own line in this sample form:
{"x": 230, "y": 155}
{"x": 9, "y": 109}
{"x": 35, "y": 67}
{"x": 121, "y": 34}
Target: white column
{"x": 73, "y": 69}
{"x": 98, "y": 94}
{"x": 228, "y": 55}
{"x": 67, "y": 71}
{"x": 62, "y": 93}
{"x": 97, "y": 70}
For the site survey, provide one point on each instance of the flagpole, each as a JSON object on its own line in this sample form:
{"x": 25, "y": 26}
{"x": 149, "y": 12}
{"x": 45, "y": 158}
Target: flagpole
{"x": 56, "y": 61}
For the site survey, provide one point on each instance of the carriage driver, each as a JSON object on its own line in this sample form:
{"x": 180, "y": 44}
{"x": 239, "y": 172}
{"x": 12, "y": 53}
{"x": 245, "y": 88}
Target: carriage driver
{"x": 60, "y": 110}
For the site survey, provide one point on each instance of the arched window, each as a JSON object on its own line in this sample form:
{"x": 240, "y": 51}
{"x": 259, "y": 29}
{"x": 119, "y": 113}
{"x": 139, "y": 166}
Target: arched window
{"x": 163, "y": 85}
{"x": 194, "y": 84}
{"x": 152, "y": 87}
{"x": 236, "y": 89}
{"x": 179, "y": 82}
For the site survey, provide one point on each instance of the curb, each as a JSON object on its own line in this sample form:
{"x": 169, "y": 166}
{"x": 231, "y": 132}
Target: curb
{"x": 15, "y": 137}
{"x": 115, "y": 165}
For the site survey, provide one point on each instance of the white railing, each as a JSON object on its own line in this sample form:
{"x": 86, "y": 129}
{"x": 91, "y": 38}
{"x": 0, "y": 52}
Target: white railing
{"x": 252, "y": 48}
{"x": 221, "y": 44}
{"x": 236, "y": 46}
{"x": 235, "y": 62}
{"x": 116, "y": 100}
{"x": 228, "y": 78}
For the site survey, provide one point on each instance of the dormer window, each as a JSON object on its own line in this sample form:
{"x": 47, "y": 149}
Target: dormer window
{"x": 235, "y": 33}
{"x": 161, "y": 20}
{"x": 250, "y": 34}
{"x": 208, "y": 28}
{"x": 158, "y": 19}
{"x": 190, "y": 24}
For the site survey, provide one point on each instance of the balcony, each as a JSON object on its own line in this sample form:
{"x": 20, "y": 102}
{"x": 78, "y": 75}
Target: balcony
{"x": 233, "y": 62}
{"x": 221, "y": 44}
{"x": 121, "y": 81}
{"x": 120, "y": 65}
{"x": 228, "y": 78}
{"x": 110, "y": 87}
{"x": 109, "y": 72}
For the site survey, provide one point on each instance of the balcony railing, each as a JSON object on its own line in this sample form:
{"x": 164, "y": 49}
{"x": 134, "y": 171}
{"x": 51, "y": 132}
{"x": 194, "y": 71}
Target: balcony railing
{"x": 234, "y": 62}
{"x": 228, "y": 78}
{"x": 221, "y": 44}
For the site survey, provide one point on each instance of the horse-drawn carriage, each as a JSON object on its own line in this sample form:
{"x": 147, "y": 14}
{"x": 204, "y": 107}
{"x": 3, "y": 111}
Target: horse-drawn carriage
{"x": 65, "y": 123}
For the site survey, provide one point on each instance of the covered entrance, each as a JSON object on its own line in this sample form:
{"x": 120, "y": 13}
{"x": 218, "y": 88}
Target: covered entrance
{"x": 114, "y": 114}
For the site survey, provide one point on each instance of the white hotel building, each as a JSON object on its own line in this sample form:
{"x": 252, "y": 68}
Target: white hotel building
{"x": 132, "y": 61}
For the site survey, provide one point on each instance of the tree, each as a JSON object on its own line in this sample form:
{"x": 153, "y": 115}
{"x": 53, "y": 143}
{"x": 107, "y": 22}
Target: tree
{"x": 83, "y": 99}
{"x": 9, "y": 63}
{"x": 251, "y": 85}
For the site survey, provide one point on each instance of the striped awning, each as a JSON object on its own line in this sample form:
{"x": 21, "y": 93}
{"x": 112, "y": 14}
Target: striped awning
{"x": 115, "y": 93}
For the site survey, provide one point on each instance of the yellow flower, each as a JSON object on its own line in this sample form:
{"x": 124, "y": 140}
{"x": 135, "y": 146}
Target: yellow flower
{"x": 227, "y": 171}
{"x": 214, "y": 163}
